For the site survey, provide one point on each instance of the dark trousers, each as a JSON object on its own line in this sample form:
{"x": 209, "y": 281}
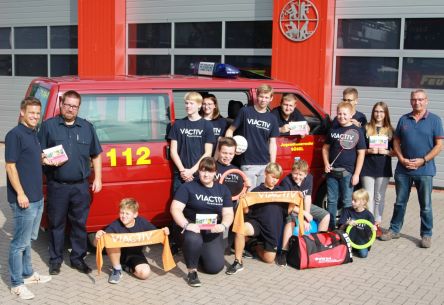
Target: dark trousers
{"x": 70, "y": 201}
{"x": 206, "y": 248}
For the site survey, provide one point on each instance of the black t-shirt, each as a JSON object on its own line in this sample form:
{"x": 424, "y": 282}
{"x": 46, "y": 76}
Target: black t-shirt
{"x": 288, "y": 184}
{"x": 199, "y": 199}
{"x": 257, "y": 128}
{"x": 191, "y": 137}
{"x": 270, "y": 216}
{"x": 295, "y": 116}
{"x": 22, "y": 147}
{"x": 347, "y": 158}
{"x": 141, "y": 225}
{"x": 233, "y": 181}
{"x": 219, "y": 128}
{"x": 376, "y": 165}
{"x": 361, "y": 233}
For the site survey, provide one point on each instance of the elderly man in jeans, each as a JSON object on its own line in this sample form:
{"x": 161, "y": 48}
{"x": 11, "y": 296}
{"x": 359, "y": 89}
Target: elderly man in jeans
{"x": 417, "y": 141}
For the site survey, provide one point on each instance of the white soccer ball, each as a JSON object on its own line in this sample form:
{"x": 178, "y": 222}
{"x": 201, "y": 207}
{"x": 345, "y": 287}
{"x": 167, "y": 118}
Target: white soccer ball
{"x": 241, "y": 144}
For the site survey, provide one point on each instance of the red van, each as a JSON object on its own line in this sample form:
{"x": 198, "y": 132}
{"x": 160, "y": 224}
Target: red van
{"x": 131, "y": 115}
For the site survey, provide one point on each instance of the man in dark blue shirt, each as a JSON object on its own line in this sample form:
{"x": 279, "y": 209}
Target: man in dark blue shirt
{"x": 68, "y": 186}
{"x": 417, "y": 141}
{"x": 25, "y": 196}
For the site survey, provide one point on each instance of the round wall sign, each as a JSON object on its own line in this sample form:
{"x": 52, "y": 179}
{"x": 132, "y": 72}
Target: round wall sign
{"x": 299, "y": 20}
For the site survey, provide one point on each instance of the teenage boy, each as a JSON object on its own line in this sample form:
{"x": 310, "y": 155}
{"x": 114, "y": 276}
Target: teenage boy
{"x": 23, "y": 158}
{"x": 192, "y": 139}
{"x": 344, "y": 173}
{"x": 287, "y": 112}
{"x": 350, "y": 95}
{"x": 301, "y": 180}
{"x": 130, "y": 258}
{"x": 260, "y": 128}
{"x": 263, "y": 222}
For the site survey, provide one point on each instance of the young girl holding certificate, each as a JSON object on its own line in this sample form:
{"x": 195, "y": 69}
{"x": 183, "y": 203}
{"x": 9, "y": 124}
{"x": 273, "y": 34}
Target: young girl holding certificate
{"x": 377, "y": 168}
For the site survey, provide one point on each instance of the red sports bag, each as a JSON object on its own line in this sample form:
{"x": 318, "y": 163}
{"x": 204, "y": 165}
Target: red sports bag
{"x": 318, "y": 250}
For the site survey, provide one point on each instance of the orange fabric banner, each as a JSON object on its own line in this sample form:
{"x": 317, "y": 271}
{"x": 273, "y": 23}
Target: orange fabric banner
{"x": 122, "y": 240}
{"x": 252, "y": 198}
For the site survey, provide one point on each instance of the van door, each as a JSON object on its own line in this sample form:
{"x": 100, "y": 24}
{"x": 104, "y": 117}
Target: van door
{"x": 132, "y": 129}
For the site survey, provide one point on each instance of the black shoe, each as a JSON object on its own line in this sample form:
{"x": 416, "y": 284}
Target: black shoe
{"x": 54, "y": 268}
{"x": 234, "y": 268}
{"x": 81, "y": 266}
{"x": 250, "y": 246}
{"x": 281, "y": 259}
{"x": 193, "y": 279}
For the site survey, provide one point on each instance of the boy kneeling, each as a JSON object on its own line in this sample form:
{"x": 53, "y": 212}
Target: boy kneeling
{"x": 264, "y": 221}
{"x": 131, "y": 259}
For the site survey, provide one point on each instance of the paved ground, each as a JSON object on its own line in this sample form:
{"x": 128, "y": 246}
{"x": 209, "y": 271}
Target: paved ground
{"x": 396, "y": 272}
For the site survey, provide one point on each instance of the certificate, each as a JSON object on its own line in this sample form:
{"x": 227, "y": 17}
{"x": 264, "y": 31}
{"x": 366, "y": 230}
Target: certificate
{"x": 298, "y": 128}
{"x": 378, "y": 142}
{"x": 206, "y": 221}
{"x": 56, "y": 154}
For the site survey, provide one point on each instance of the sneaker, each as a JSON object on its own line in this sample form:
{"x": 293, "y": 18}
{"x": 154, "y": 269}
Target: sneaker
{"x": 234, "y": 268}
{"x": 281, "y": 259}
{"x": 115, "y": 276}
{"x": 249, "y": 251}
{"x": 193, "y": 279}
{"x": 389, "y": 235}
{"x": 22, "y": 292}
{"x": 378, "y": 231}
{"x": 426, "y": 242}
{"x": 37, "y": 279}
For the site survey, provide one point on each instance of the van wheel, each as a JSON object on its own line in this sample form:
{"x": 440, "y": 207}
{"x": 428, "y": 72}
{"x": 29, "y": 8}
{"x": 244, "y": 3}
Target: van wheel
{"x": 91, "y": 247}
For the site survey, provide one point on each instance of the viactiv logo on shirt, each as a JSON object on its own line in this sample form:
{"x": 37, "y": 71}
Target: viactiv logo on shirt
{"x": 210, "y": 200}
{"x": 191, "y": 132}
{"x": 216, "y": 131}
{"x": 259, "y": 124}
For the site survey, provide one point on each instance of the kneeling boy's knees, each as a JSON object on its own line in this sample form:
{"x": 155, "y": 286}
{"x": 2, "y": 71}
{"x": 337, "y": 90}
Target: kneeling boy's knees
{"x": 142, "y": 271}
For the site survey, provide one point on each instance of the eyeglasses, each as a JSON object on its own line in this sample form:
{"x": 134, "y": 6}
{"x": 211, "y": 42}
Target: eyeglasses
{"x": 348, "y": 100}
{"x": 68, "y": 106}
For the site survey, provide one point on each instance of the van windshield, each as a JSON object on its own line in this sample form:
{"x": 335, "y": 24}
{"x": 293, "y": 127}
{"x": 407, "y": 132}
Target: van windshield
{"x": 122, "y": 118}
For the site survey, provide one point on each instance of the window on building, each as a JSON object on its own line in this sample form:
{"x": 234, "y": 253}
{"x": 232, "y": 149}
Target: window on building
{"x": 149, "y": 35}
{"x": 256, "y": 64}
{"x": 423, "y": 73}
{"x": 63, "y": 65}
{"x": 5, "y": 38}
{"x": 367, "y": 71}
{"x": 30, "y": 37}
{"x": 182, "y": 62}
{"x": 149, "y": 64}
{"x": 198, "y": 35}
{"x": 368, "y": 33}
{"x": 424, "y": 33}
{"x": 64, "y": 37}
{"x": 31, "y": 65}
{"x": 127, "y": 118}
{"x": 6, "y": 65}
{"x": 248, "y": 34}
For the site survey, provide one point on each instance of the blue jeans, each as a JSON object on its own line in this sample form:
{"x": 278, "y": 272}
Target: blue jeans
{"x": 26, "y": 227}
{"x": 338, "y": 188}
{"x": 362, "y": 253}
{"x": 403, "y": 184}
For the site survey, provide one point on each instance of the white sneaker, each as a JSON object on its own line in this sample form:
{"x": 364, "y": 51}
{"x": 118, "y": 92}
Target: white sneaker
{"x": 37, "y": 279}
{"x": 22, "y": 292}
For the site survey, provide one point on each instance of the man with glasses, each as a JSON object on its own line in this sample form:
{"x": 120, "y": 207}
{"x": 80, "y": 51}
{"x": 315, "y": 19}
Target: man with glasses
{"x": 68, "y": 186}
{"x": 417, "y": 141}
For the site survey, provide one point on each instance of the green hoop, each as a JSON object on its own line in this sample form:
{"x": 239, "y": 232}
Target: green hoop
{"x": 372, "y": 239}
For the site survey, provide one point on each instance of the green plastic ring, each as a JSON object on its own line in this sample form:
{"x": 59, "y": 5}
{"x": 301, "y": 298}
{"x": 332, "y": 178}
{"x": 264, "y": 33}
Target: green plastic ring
{"x": 372, "y": 239}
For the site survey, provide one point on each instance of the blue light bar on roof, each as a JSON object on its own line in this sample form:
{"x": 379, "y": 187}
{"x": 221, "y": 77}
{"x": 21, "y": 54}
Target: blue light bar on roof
{"x": 214, "y": 69}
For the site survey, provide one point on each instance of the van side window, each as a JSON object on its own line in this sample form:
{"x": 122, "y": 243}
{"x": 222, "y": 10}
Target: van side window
{"x": 42, "y": 94}
{"x": 313, "y": 118}
{"x": 120, "y": 118}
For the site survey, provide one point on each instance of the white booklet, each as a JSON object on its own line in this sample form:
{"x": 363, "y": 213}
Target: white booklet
{"x": 56, "y": 154}
{"x": 206, "y": 221}
{"x": 378, "y": 142}
{"x": 298, "y": 128}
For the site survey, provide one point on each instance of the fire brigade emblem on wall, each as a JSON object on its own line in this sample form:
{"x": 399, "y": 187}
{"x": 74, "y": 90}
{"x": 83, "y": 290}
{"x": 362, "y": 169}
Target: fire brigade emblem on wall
{"x": 299, "y": 20}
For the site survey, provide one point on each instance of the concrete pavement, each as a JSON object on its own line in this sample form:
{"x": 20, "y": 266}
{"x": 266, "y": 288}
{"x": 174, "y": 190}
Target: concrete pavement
{"x": 395, "y": 272}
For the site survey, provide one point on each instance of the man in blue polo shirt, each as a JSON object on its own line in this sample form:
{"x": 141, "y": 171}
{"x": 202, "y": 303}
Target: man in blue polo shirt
{"x": 24, "y": 169}
{"x": 68, "y": 185}
{"x": 417, "y": 141}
